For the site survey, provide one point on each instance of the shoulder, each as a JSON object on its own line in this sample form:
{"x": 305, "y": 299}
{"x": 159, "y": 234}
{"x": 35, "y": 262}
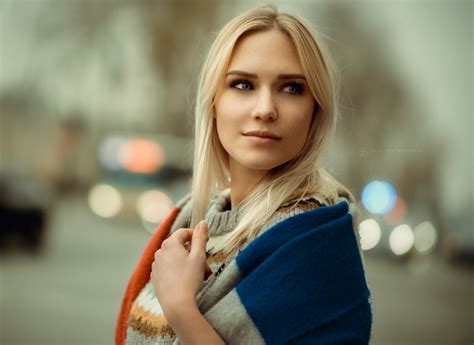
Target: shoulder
{"x": 304, "y": 204}
{"x": 299, "y": 205}
{"x": 292, "y": 208}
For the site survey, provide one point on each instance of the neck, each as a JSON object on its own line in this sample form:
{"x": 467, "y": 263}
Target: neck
{"x": 243, "y": 181}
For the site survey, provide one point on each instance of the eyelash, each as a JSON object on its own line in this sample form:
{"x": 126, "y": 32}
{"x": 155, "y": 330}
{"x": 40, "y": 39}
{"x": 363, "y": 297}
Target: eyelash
{"x": 298, "y": 86}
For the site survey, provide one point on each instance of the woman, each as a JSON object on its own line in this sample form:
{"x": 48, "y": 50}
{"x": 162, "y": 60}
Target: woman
{"x": 263, "y": 250}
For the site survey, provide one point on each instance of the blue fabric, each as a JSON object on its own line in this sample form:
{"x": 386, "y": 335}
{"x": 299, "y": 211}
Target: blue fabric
{"x": 258, "y": 250}
{"x": 351, "y": 328}
{"x": 303, "y": 273}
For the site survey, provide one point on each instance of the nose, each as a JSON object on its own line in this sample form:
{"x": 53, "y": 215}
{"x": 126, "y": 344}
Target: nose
{"x": 265, "y": 108}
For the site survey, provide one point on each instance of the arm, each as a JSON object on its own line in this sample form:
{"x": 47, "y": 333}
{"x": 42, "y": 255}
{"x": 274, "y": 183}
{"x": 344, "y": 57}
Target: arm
{"x": 190, "y": 326}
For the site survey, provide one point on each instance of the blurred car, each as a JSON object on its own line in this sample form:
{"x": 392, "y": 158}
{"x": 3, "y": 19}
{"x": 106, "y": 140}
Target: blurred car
{"x": 24, "y": 205}
{"x": 142, "y": 177}
{"x": 458, "y": 243}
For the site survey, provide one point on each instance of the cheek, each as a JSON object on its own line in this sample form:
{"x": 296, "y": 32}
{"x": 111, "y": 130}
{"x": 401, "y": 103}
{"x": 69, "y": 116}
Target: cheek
{"x": 221, "y": 133}
{"x": 224, "y": 123}
{"x": 298, "y": 128}
{"x": 225, "y": 126}
{"x": 228, "y": 112}
{"x": 298, "y": 117}
{"x": 305, "y": 124}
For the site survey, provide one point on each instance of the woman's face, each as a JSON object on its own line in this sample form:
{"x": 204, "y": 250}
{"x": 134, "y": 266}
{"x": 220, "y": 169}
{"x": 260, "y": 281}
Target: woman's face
{"x": 264, "y": 107}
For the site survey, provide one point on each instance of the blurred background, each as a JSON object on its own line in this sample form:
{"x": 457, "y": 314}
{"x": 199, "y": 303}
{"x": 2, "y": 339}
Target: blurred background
{"x": 96, "y": 128}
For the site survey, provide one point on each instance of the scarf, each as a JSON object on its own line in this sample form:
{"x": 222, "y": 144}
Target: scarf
{"x": 301, "y": 282}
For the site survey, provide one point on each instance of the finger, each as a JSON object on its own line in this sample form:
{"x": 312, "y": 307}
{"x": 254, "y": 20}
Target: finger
{"x": 181, "y": 236}
{"x": 199, "y": 238}
{"x": 156, "y": 253}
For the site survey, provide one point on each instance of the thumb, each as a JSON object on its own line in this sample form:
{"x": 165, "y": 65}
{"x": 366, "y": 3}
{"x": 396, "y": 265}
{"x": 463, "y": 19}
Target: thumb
{"x": 200, "y": 237}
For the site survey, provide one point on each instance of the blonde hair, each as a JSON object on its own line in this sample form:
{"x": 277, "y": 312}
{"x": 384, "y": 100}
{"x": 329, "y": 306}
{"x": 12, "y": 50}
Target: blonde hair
{"x": 294, "y": 179}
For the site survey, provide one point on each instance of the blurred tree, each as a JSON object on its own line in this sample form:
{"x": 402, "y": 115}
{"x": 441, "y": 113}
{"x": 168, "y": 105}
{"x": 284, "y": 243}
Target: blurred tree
{"x": 382, "y": 133}
{"x": 180, "y": 35}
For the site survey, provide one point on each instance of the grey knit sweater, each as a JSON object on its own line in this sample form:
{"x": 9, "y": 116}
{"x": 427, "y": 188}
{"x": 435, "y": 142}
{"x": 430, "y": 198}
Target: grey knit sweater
{"x": 146, "y": 323}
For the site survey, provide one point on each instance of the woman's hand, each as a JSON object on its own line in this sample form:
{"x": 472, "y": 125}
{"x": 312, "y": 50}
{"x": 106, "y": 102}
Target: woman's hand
{"x": 177, "y": 274}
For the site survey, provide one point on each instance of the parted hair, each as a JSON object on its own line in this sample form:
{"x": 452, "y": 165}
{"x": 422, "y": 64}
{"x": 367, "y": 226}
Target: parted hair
{"x": 299, "y": 177}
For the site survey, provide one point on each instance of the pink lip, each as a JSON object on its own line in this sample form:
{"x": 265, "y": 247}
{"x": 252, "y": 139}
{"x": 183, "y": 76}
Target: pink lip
{"x": 262, "y": 134}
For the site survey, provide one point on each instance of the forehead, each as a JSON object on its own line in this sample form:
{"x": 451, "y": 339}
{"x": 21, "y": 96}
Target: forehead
{"x": 268, "y": 51}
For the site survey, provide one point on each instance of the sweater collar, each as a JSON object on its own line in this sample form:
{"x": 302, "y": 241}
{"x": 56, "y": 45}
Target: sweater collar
{"x": 220, "y": 218}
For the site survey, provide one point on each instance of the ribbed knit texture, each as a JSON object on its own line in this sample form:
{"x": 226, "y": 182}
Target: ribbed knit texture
{"x": 146, "y": 322}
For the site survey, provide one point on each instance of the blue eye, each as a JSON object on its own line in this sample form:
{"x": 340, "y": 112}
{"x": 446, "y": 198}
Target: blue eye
{"x": 241, "y": 84}
{"x": 294, "y": 88}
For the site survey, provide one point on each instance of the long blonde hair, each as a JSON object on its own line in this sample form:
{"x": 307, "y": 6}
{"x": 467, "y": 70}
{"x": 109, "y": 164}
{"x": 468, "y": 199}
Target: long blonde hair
{"x": 295, "y": 179}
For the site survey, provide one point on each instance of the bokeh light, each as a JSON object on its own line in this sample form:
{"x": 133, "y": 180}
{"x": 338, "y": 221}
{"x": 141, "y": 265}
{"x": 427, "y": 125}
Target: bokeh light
{"x": 425, "y": 237}
{"x": 369, "y": 232}
{"x": 105, "y": 201}
{"x": 397, "y": 214}
{"x": 109, "y": 151}
{"x": 153, "y": 206}
{"x": 141, "y": 156}
{"x": 401, "y": 239}
{"x": 379, "y": 197}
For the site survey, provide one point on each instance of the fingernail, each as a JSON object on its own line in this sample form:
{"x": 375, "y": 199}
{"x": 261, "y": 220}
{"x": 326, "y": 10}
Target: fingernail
{"x": 202, "y": 225}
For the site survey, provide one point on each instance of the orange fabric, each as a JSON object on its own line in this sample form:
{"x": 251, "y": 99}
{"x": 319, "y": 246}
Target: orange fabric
{"x": 141, "y": 274}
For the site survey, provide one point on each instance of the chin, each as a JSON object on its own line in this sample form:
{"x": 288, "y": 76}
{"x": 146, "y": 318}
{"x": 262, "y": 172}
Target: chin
{"x": 260, "y": 164}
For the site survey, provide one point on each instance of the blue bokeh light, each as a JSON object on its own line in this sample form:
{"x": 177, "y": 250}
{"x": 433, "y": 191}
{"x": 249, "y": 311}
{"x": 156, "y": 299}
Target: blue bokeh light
{"x": 379, "y": 197}
{"x": 109, "y": 152}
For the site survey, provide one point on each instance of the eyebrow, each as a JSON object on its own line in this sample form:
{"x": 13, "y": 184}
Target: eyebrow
{"x": 280, "y": 76}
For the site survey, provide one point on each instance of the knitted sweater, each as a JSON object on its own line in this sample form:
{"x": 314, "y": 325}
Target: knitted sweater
{"x": 141, "y": 320}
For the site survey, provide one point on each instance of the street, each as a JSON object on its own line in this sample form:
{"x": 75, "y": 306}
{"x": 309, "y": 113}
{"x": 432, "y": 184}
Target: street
{"x": 71, "y": 292}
